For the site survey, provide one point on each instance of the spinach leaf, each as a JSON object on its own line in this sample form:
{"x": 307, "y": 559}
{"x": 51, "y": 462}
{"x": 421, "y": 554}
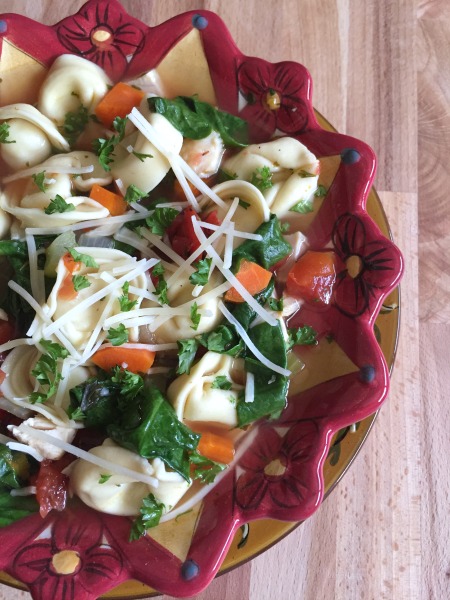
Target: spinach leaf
{"x": 266, "y": 252}
{"x": 223, "y": 340}
{"x": 196, "y": 119}
{"x": 270, "y": 396}
{"x": 97, "y": 399}
{"x": 14, "y": 468}
{"x": 159, "y": 433}
{"x": 13, "y": 508}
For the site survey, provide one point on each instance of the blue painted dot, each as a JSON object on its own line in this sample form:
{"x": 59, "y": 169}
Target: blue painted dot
{"x": 350, "y": 156}
{"x": 367, "y": 373}
{"x": 199, "y": 22}
{"x": 189, "y": 570}
{"x": 3, "y": 26}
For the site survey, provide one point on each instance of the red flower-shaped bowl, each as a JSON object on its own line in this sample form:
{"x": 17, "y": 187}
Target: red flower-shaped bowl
{"x": 80, "y": 554}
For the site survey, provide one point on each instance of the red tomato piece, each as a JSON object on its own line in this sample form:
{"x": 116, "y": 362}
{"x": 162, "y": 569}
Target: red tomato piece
{"x": 51, "y": 488}
{"x": 312, "y": 277}
{"x": 181, "y": 233}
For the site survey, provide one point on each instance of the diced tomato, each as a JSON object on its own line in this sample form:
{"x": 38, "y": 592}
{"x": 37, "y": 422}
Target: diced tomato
{"x": 312, "y": 277}
{"x": 51, "y": 488}
{"x": 181, "y": 233}
{"x": 212, "y": 219}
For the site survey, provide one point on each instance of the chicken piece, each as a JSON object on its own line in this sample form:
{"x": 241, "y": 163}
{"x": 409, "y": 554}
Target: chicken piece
{"x": 66, "y": 434}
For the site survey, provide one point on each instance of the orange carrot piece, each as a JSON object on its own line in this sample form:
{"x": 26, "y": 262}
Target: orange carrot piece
{"x": 66, "y": 290}
{"x": 136, "y": 360}
{"x": 253, "y": 277}
{"x": 216, "y": 447}
{"x": 312, "y": 277}
{"x": 113, "y": 202}
{"x": 118, "y": 102}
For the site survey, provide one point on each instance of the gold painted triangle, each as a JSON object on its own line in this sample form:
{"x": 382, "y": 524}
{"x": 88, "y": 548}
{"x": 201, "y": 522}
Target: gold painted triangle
{"x": 20, "y": 76}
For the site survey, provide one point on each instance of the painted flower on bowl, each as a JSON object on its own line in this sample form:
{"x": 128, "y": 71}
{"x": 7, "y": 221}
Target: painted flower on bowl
{"x": 273, "y": 474}
{"x": 367, "y": 266}
{"x": 102, "y": 35}
{"x": 275, "y": 96}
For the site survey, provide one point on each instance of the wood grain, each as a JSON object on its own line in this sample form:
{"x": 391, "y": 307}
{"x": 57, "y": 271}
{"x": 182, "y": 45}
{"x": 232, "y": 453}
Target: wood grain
{"x": 381, "y": 73}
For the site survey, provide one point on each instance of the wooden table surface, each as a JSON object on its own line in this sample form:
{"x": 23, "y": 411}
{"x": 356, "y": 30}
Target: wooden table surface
{"x": 381, "y": 72}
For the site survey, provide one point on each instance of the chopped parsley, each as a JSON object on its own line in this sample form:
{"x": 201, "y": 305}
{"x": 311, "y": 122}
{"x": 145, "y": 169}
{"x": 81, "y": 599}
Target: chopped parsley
{"x": 161, "y": 219}
{"x": 221, "y": 382}
{"x": 83, "y": 258}
{"x": 151, "y": 511}
{"x": 321, "y": 191}
{"x": 244, "y": 204}
{"x": 195, "y": 316}
{"x": 39, "y": 180}
{"x": 303, "y": 173}
{"x": 118, "y": 335}
{"x": 276, "y": 304}
{"x": 161, "y": 284}
{"x": 301, "y": 336}
{"x": 262, "y": 178}
{"x": 130, "y": 383}
{"x": 4, "y": 134}
{"x": 141, "y": 156}
{"x": 201, "y": 275}
{"x": 205, "y": 470}
{"x": 104, "y": 478}
{"x": 46, "y": 371}
{"x": 187, "y": 349}
{"x": 303, "y": 207}
{"x": 58, "y": 205}
{"x": 124, "y": 300}
{"x": 104, "y": 147}
{"x": 75, "y": 123}
{"x": 80, "y": 282}
{"x": 134, "y": 194}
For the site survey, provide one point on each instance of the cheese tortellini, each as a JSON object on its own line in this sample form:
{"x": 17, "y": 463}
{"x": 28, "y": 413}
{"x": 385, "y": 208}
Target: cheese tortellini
{"x": 119, "y": 495}
{"x": 19, "y": 382}
{"x": 180, "y": 326}
{"x": 80, "y": 325}
{"x": 147, "y": 171}
{"x": 71, "y": 81}
{"x": 294, "y": 171}
{"x": 197, "y": 396}
{"x": 31, "y": 136}
{"x": 25, "y": 201}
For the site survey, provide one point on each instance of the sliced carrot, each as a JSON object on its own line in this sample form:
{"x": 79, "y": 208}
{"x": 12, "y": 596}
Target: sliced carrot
{"x": 118, "y": 102}
{"x": 136, "y": 360}
{"x": 312, "y": 277}
{"x": 66, "y": 290}
{"x": 254, "y": 278}
{"x": 113, "y": 202}
{"x": 216, "y": 447}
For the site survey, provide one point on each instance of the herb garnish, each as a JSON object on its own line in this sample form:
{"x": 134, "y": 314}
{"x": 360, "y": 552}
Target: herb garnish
{"x": 104, "y": 478}
{"x": 80, "y": 282}
{"x": 151, "y": 511}
{"x": 187, "y": 350}
{"x": 118, "y": 335}
{"x": 206, "y": 470}
{"x": 46, "y": 370}
{"x": 201, "y": 275}
{"x": 301, "y": 336}
{"x": 87, "y": 260}
{"x": 221, "y": 382}
{"x": 58, "y": 205}
{"x": 262, "y": 178}
{"x": 303, "y": 206}
{"x": 195, "y": 316}
{"x": 4, "y": 134}
{"x": 161, "y": 219}
{"x": 134, "y": 194}
{"x": 105, "y": 147}
{"x": 124, "y": 300}
{"x": 75, "y": 123}
{"x": 39, "y": 180}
